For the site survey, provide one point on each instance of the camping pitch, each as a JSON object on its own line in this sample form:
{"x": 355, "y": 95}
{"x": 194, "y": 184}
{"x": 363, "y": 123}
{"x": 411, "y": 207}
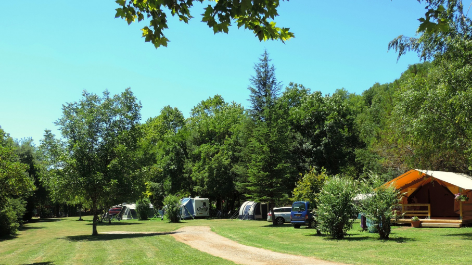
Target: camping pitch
{"x": 194, "y": 207}
{"x": 253, "y": 211}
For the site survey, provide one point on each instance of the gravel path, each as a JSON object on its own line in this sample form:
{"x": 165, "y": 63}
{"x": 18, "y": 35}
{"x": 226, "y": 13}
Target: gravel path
{"x": 203, "y": 239}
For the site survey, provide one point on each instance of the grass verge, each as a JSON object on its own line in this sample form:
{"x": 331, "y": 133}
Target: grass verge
{"x": 68, "y": 241}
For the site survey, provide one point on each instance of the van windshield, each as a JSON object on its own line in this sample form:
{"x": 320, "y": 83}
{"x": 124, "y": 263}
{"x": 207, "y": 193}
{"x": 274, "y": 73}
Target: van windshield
{"x": 298, "y": 206}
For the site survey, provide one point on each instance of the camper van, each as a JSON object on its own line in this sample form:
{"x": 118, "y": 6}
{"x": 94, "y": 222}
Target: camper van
{"x": 194, "y": 207}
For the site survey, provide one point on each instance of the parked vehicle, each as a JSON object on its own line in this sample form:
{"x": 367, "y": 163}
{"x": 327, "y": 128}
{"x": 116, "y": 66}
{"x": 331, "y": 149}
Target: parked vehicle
{"x": 301, "y": 214}
{"x": 282, "y": 215}
{"x": 114, "y": 210}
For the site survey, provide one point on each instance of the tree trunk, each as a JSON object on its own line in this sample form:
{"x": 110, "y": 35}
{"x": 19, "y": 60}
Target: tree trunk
{"x": 80, "y": 213}
{"x": 274, "y": 222}
{"x": 218, "y": 205}
{"x": 231, "y": 204}
{"x": 95, "y": 218}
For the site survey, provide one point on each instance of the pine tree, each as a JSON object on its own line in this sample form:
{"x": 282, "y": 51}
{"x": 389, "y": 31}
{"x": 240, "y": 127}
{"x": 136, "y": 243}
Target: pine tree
{"x": 268, "y": 170}
{"x": 264, "y": 89}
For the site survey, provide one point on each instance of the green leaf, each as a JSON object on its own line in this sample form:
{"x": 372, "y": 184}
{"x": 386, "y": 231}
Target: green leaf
{"x": 121, "y": 2}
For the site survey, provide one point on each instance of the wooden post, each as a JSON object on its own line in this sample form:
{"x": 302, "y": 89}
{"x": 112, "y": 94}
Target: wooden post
{"x": 460, "y": 208}
{"x": 429, "y": 211}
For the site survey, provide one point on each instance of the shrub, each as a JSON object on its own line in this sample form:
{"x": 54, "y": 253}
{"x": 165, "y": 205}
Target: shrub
{"x": 11, "y": 216}
{"x": 336, "y": 207}
{"x": 172, "y": 208}
{"x": 308, "y": 188}
{"x": 142, "y": 208}
{"x": 379, "y": 204}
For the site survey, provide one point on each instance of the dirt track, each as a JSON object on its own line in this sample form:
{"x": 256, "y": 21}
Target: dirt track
{"x": 203, "y": 239}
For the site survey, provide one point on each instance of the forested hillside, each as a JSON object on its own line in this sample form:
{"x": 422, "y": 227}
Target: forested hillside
{"x": 228, "y": 153}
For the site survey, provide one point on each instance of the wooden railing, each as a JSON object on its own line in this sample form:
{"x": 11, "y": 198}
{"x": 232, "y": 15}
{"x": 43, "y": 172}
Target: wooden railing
{"x": 467, "y": 214}
{"x": 416, "y": 209}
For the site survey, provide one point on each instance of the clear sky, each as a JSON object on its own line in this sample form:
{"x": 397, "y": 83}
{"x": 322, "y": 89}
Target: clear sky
{"x": 50, "y": 51}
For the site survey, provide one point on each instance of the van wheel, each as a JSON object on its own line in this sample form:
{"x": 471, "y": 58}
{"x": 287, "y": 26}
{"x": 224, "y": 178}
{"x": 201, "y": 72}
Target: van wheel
{"x": 279, "y": 221}
{"x": 296, "y": 226}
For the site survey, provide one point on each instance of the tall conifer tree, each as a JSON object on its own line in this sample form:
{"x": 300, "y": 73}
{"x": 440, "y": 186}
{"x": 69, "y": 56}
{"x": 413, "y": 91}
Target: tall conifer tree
{"x": 268, "y": 169}
{"x": 264, "y": 89}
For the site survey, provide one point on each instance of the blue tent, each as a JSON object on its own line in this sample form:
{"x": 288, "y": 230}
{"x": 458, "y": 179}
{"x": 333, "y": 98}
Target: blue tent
{"x": 194, "y": 208}
{"x": 186, "y": 208}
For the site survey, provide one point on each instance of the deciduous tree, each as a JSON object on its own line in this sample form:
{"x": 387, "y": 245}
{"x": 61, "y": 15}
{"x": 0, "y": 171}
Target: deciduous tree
{"x": 15, "y": 185}
{"x": 253, "y": 15}
{"x": 215, "y": 149}
{"x": 96, "y": 161}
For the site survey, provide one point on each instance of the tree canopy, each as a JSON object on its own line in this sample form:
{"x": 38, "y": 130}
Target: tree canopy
{"x": 443, "y": 21}
{"x": 13, "y": 177}
{"x": 219, "y": 15}
{"x": 96, "y": 161}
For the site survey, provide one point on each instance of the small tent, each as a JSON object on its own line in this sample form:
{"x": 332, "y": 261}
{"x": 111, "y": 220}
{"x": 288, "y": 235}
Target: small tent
{"x": 431, "y": 194}
{"x": 129, "y": 211}
{"x": 251, "y": 210}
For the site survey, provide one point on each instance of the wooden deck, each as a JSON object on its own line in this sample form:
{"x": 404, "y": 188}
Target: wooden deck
{"x": 437, "y": 222}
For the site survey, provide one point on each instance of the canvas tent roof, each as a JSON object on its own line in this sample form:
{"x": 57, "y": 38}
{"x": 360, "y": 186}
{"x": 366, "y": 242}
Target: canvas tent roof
{"x": 415, "y": 175}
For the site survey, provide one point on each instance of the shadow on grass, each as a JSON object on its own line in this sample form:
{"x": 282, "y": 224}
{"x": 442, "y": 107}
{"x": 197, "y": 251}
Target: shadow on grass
{"x": 277, "y": 226}
{"x": 364, "y": 238}
{"x": 26, "y": 227}
{"x": 44, "y": 220}
{"x": 40, "y": 263}
{"x": 22, "y": 228}
{"x": 465, "y": 236}
{"x": 115, "y": 223}
{"x": 107, "y": 237}
{"x": 10, "y": 237}
{"x": 401, "y": 239}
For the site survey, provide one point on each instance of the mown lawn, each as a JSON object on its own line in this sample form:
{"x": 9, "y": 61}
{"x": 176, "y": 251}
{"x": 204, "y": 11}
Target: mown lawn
{"x": 67, "y": 241}
{"x": 406, "y": 246}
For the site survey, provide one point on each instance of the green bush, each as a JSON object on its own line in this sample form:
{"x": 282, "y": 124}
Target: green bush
{"x": 142, "y": 209}
{"x": 11, "y": 216}
{"x": 309, "y": 186}
{"x": 379, "y": 204}
{"x": 172, "y": 208}
{"x": 336, "y": 207}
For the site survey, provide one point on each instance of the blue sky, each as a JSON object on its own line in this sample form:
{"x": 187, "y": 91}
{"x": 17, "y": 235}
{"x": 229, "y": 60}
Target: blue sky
{"x": 50, "y": 51}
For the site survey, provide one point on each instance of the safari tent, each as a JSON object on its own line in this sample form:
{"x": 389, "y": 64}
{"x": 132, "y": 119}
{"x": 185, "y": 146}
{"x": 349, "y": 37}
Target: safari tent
{"x": 251, "y": 210}
{"x": 431, "y": 195}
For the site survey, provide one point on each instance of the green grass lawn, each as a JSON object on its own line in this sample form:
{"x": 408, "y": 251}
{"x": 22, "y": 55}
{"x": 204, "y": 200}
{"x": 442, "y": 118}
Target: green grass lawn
{"x": 67, "y": 241}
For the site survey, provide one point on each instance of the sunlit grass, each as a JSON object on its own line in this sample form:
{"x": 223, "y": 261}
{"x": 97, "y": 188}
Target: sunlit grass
{"x": 406, "y": 245}
{"x": 67, "y": 241}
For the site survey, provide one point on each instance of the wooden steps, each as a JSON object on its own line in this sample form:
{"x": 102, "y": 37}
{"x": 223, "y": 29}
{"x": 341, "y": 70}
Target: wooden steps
{"x": 440, "y": 225}
{"x": 435, "y": 222}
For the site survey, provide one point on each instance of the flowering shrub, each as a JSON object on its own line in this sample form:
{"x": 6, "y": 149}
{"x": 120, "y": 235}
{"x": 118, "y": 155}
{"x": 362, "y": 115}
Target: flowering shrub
{"x": 461, "y": 197}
